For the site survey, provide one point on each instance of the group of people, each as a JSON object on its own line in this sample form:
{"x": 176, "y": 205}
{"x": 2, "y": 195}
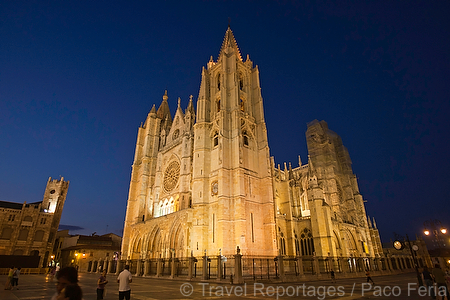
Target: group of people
{"x": 436, "y": 276}
{"x": 53, "y": 271}
{"x": 67, "y": 287}
{"x": 13, "y": 278}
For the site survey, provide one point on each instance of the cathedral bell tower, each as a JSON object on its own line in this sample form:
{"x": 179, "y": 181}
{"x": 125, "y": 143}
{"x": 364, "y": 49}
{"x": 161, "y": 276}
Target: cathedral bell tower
{"x": 232, "y": 192}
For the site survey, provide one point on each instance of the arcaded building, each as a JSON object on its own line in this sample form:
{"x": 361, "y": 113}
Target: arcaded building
{"x": 203, "y": 180}
{"x": 29, "y": 229}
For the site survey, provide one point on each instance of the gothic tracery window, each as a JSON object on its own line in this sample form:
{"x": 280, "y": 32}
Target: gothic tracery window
{"x": 306, "y": 242}
{"x": 165, "y": 207}
{"x": 171, "y": 176}
{"x": 282, "y": 242}
{"x": 297, "y": 245}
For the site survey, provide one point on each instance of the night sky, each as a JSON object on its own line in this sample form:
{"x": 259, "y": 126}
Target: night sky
{"x": 77, "y": 78}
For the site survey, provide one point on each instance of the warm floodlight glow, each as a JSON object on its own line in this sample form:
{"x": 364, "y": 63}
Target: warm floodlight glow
{"x": 443, "y": 230}
{"x": 426, "y": 232}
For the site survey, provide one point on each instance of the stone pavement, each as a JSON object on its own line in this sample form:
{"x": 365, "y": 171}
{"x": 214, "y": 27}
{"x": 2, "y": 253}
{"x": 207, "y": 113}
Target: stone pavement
{"x": 37, "y": 287}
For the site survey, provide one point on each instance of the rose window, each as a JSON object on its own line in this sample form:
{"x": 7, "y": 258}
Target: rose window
{"x": 171, "y": 176}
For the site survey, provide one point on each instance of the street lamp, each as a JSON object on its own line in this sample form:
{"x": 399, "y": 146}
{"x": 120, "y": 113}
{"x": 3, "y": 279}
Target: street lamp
{"x": 436, "y": 227}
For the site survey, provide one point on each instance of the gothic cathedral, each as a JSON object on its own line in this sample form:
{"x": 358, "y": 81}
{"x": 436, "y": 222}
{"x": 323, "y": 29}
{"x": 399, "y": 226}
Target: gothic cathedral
{"x": 204, "y": 182}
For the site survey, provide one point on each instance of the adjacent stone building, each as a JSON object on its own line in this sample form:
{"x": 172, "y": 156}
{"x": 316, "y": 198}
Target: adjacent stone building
{"x": 203, "y": 180}
{"x": 92, "y": 253}
{"x": 29, "y": 229}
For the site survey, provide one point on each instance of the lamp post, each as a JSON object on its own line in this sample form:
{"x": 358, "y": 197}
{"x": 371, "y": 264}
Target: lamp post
{"x": 399, "y": 245}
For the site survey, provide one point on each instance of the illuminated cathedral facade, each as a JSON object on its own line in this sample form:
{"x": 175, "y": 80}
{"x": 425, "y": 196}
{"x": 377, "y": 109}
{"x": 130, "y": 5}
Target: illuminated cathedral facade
{"x": 203, "y": 181}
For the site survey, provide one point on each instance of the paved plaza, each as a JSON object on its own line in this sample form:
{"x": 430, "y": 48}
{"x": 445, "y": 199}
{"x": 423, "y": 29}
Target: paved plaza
{"x": 34, "y": 287}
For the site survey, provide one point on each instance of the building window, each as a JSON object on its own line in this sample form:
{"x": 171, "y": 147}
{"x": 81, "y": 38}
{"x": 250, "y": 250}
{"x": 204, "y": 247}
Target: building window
{"x": 218, "y": 82}
{"x": 39, "y": 236}
{"x": 282, "y": 244}
{"x": 306, "y": 242}
{"x": 6, "y": 233}
{"x": 245, "y": 138}
{"x": 216, "y": 139}
{"x": 297, "y": 246}
{"x": 43, "y": 220}
{"x": 242, "y": 104}
{"x": 166, "y": 207}
{"x": 11, "y": 218}
{"x": 218, "y": 105}
{"x": 23, "y": 235}
{"x": 18, "y": 252}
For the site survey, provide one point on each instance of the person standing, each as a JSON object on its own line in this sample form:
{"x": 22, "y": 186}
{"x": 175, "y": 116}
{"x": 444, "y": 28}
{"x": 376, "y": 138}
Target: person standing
{"x": 101, "y": 285}
{"x": 15, "y": 279}
{"x": 439, "y": 278}
{"x": 124, "y": 280}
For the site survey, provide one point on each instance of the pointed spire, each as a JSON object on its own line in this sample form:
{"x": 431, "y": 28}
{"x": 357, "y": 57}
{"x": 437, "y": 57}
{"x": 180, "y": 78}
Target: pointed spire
{"x": 163, "y": 110}
{"x": 311, "y": 172}
{"x": 190, "y": 107}
{"x": 368, "y": 222}
{"x": 179, "y": 108}
{"x": 153, "y": 110}
{"x": 230, "y": 41}
{"x": 374, "y": 223}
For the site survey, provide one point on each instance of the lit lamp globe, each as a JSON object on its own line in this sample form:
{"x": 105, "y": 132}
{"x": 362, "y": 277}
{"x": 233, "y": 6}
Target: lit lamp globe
{"x": 398, "y": 245}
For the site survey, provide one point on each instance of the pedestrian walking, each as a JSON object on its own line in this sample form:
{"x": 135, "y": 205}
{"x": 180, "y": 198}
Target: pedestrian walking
{"x": 8, "y": 284}
{"x": 15, "y": 279}
{"x": 333, "y": 278}
{"x": 124, "y": 280}
{"x": 368, "y": 277}
{"x": 427, "y": 278}
{"x": 101, "y": 285}
{"x": 57, "y": 268}
{"x": 439, "y": 278}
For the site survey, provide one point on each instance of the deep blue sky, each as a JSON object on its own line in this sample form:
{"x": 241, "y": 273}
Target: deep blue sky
{"x": 78, "y": 77}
